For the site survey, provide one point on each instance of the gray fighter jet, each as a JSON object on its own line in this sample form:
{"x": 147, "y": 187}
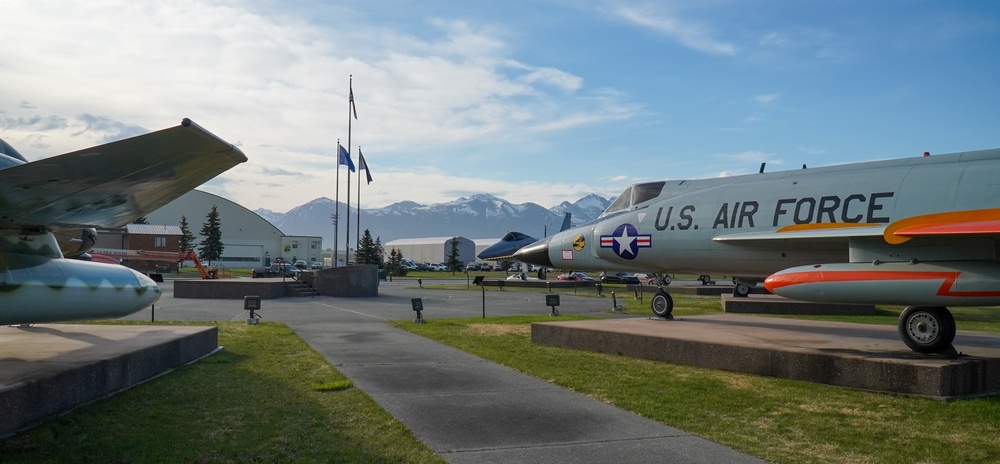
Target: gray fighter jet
{"x": 918, "y": 231}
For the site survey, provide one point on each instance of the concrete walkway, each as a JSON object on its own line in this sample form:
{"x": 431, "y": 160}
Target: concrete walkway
{"x": 464, "y": 408}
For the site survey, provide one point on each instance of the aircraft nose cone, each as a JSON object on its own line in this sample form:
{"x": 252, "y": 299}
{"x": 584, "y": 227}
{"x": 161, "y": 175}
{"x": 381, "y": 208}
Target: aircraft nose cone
{"x": 147, "y": 289}
{"x": 536, "y": 253}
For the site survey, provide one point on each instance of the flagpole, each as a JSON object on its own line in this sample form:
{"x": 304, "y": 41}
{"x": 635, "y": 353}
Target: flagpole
{"x": 347, "y": 240}
{"x": 336, "y": 206}
{"x": 357, "y": 223}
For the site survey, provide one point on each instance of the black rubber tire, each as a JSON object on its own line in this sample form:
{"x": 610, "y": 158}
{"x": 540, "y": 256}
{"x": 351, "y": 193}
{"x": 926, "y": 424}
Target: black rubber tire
{"x": 927, "y": 329}
{"x": 662, "y": 305}
{"x": 741, "y": 290}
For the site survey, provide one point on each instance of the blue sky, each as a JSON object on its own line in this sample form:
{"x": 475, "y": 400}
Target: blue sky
{"x": 540, "y": 101}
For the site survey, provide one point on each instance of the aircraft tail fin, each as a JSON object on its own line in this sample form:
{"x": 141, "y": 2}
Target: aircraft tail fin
{"x": 566, "y": 224}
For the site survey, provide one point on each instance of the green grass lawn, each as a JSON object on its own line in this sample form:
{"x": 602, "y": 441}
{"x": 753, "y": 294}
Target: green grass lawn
{"x": 267, "y": 397}
{"x": 778, "y": 420}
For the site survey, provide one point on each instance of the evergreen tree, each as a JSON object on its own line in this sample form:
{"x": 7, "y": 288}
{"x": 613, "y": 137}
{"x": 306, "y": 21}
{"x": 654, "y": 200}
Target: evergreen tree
{"x": 187, "y": 238}
{"x": 380, "y": 251}
{"x": 454, "y": 264}
{"x": 211, "y": 248}
{"x": 395, "y": 264}
{"x": 140, "y": 220}
{"x": 367, "y": 252}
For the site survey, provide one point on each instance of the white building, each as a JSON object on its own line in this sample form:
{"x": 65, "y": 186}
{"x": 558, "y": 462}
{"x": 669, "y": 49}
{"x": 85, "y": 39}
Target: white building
{"x": 248, "y": 239}
{"x": 432, "y": 249}
{"x": 482, "y": 244}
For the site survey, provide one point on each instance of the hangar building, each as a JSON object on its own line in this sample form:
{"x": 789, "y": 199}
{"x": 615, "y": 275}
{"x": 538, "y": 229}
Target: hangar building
{"x": 432, "y": 249}
{"x": 249, "y": 240}
{"x": 482, "y": 244}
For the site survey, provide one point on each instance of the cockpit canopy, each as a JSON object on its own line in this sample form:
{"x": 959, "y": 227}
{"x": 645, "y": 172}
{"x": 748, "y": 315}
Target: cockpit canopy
{"x": 634, "y": 195}
{"x": 9, "y": 156}
{"x": 514, "y": 237}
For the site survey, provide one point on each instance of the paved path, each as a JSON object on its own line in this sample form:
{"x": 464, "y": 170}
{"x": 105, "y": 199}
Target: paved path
{"x": 465, "y": 408}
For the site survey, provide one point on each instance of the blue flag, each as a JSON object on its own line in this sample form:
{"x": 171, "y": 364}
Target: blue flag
{"x": 345, "y": 158}
{"x": 363, "y": 165}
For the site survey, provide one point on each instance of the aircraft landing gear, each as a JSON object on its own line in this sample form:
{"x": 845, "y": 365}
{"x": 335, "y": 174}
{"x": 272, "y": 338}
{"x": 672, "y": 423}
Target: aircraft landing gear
{"x": 741, "y": 289}
{"x": 663, "y": 305}
{"x": 927, "y": 329}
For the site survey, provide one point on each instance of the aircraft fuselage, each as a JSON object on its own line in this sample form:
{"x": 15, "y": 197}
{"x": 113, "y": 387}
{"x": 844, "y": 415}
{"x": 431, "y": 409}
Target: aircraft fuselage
{"x": 753, "y": 226}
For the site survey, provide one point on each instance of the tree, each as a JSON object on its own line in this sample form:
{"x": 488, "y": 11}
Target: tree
{"x": 380, "y": 251}
{"x": 211, "y": 248}
{"x": 140, "y": 220}
{"x": 395, "y": 264}
{"x": 187, "y": 238}
{"x": 453, "y": 263}
{"x": 367, "y": 252}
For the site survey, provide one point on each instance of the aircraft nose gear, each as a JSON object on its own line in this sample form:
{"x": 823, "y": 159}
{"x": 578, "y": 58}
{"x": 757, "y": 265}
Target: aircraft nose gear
{"x": 663, "y": 305}
{"x": 927, "y": 329}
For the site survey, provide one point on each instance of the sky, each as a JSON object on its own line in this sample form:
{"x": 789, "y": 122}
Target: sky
{"x": 532, "y": 101}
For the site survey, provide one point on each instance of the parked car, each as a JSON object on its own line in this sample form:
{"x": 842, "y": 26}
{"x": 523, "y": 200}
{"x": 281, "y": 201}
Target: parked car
{"x": 301, "y": 265}
{"x": 436, "y": 267}
{"x": 317, "y": 265}
{"x": 275, "y": 270}
{"x": 619, "y": 278}
{"x": 649, "y": 278}
{"x": 575, "y": 276}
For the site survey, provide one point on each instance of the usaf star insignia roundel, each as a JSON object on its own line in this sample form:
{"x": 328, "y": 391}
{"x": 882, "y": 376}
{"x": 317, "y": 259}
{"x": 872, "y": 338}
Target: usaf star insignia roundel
{"x": 625, "y": 241}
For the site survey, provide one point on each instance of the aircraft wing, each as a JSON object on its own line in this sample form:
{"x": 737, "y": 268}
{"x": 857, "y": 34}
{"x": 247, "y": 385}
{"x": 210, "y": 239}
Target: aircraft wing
{"x": 832, "y": 231}
{"x": 112, "y": 184}
{"x": 952, "y": 223}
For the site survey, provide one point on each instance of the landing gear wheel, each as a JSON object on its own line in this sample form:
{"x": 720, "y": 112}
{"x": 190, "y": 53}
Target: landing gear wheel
{"x": 741, "y": 290}
{"x": 663, "y": 305}
{"x": 705, "y": 279}
{"x": 927, "y": 329}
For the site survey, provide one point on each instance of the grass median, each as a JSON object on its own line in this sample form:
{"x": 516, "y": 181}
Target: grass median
{"x": 266, "y": 397}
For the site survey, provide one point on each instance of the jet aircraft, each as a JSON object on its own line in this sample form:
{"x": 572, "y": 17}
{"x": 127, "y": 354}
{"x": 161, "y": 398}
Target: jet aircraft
{"x": 921, "y": 232}
{"x": 49, "y": 208}
{"x": 513, "y": 241}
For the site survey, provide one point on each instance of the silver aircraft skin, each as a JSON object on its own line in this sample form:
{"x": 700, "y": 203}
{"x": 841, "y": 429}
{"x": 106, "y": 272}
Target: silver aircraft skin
{"x": 918, "y": 231}
{"x": 48, "y": 209}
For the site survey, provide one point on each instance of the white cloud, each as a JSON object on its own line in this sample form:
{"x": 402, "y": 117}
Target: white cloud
{"x": 82, "y": 73}
{"x": 766, "y": 98}
{"x": 691, "y": 35}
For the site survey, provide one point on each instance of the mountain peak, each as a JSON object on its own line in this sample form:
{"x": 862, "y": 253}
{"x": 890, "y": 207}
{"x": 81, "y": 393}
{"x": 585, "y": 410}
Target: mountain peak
{"x": 479, "y": 215}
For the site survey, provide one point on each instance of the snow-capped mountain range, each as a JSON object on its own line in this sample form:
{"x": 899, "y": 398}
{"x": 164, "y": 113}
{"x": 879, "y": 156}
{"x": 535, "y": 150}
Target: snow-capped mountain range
{"x": 479, "y": 216}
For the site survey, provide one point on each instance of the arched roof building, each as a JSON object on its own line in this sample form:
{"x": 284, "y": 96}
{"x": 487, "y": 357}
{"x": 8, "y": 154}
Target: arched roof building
{"x": 249, "y": 239}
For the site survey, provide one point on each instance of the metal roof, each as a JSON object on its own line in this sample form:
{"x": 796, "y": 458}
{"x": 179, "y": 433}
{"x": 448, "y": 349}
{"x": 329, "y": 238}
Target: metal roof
{"x": 153, "y": 229}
